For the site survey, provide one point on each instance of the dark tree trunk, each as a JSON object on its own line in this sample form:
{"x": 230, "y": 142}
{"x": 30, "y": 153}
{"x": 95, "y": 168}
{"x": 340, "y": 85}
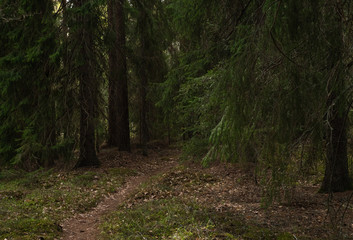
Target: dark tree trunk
{"x": 88, "y": 90}
{"x": 336, "y": 177}
{"x": 144, "y": 135}
{"x": 143, "y": 75}
{"x": 118, "y": 116}
{"x": 50, "y": 134}
{"x": 113, "y": 77}
{"x": 47, "y": 119}
{"x": 88, "y": 155}
{"x": 64, "y": 21}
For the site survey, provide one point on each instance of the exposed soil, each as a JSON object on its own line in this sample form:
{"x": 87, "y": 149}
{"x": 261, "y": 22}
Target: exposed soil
{"x": 85, "y": 226}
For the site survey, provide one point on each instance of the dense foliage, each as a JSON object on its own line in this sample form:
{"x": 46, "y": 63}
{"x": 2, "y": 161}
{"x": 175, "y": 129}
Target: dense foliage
{"x": 259, "y": 81}
{"x": 266, "y": 82}
{"x": 28, "y": 63}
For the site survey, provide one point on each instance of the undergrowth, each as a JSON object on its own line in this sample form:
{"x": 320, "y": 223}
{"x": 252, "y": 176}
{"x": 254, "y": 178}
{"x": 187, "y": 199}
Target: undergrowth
{"x": 33, "y": 204}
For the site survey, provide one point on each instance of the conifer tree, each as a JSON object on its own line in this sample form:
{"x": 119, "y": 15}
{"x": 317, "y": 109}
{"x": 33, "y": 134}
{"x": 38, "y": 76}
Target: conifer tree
{"x": 151, "y": 33}
{"x": 297, "y": 95}
{"x": 85, "y": 24}
{"x": 336, "y": 173}
{"x": 278, "y": 73}
{"x": 27, "y": 63}
{"x": 143, "y": 27}
{"x": 118, "y": 120}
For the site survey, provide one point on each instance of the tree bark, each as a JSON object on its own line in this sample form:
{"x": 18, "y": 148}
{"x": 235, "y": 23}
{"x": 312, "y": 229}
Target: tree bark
{"x": 88, "y": 90}
{"x": 144, "y": 73}
{"x": 48, "y": 126}
{"x": 336, "y": 177}
{"x": 118, "y": 116}
{"x": 144, "y": 134}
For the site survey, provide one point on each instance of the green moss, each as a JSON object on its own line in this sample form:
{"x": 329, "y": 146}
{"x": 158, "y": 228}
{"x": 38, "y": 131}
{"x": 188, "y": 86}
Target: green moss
{"x": 253, "y": 232}
{"x": 85, "y": 180}
{"x": 158, "y": 219}
{"x": 176, "y": 219}
{"x": 285, "y": 236}
{"x": 29, "y": 228}
{"x": 32, "y": 204}
{"x": 122, "y": 171}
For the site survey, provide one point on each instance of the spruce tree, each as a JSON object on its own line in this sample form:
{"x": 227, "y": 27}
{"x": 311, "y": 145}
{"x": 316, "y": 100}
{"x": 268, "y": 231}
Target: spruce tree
{"x": 28, "y": 67}
{"x": 149, "y": 39}
{"x": 84, "y": 26}
{"x": 288, "y": 92}
{"x": 118, "y": 111}
{"x": 336, "y": 177}
{"x": 143, "y": 28}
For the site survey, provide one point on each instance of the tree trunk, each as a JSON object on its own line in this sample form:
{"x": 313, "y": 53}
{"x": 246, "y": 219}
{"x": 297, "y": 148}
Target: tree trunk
{"x": 64, "y": 18}
{"x": 336, "y": 177}
{"x": 336, "y": 173}
{"x": 48, "y": 116}
{"x": 88, "y": 90}
{"x": 118, "y": 116}
{"x": 144, "y": 74}
{"x": 143, "y": 114}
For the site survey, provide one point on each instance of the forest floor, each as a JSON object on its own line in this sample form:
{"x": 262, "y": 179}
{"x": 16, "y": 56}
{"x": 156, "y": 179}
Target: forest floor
{"x": 85, "y": 226}
{"x": 160, "y": 197}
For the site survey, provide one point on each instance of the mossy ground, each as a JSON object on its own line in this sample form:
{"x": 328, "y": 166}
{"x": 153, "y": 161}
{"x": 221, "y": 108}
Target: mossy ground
{"x": 159, "y": 211}
{"x": 173, "y": 218}
{"x": 187, "y": 202}
{"x": 33, "y": 204}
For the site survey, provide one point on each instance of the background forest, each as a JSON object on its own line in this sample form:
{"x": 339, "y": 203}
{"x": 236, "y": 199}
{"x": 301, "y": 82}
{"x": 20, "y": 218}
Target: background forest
{"x": 94, "y": 93}
{"x": 262, "y": 82}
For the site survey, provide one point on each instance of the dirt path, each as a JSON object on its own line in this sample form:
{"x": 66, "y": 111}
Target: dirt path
{"x": 85, "y": 226}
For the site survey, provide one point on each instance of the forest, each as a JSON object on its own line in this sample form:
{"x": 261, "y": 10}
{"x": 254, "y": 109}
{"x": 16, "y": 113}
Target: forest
{"x": 176, "y": 119}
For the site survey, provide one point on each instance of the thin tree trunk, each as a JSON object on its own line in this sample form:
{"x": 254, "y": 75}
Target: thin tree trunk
{"x": 48, "y": 118}
{"x": 144, "y": 73}
{"x": 113, "y": 75}
{"x": 143, "y": 114}
{"x": 64, "y": 21}
{"x": 118, "y": 116}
